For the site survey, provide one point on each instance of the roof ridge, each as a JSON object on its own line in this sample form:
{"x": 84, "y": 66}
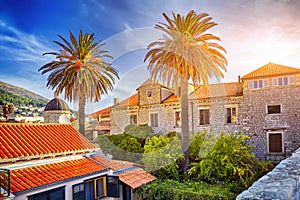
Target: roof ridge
{"x": 125, "y": 170}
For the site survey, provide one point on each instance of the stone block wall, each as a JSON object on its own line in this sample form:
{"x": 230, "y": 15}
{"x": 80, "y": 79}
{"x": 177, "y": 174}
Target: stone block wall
{"x": 257, "y": 123}
{"x": 282, "y": 183}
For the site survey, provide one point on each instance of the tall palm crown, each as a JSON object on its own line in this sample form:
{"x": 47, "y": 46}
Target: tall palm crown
{"x": 79, "y": 71}
{"x": 186, "y": 53}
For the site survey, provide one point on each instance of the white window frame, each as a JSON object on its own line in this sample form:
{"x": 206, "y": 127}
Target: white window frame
{"x": 290, "y": 80}
{"x": 153, "y": 113}
{"x": 260, "y": 83}
{"x": 209, "y": 113}
{"x": 273, "y": 105}
{"x": 282, "y": 140}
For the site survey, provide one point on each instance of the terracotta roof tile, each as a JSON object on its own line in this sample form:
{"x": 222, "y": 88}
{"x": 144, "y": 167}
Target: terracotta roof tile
{"x": 32, "y": 177}
{"x": 212, "y": 90}
{"x": 131, "y": 101}
{"x": 136, "y": 177}
{"x": 218, "y": 90}
{"x": 102, "y": 113}
{"x": 271, "y": 69}
{"x": 113, "y": 164}
{"x": 23, "y": 140}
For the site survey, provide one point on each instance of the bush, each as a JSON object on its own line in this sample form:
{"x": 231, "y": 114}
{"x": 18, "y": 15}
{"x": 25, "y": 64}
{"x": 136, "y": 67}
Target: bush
{"x": 230, "y": 160}
{"x": 189, "y": 190}
{"x": 162, "y": 156}
{"x": 128, "y": 145}
{"x": 141, "y": 132}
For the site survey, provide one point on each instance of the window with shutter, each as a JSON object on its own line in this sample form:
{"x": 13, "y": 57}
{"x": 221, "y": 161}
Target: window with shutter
{"x": 266, "y": 82}
{"x": 292, "y": 80}
{"x": 154, "y": 119}
{"x": 250, "y": 84}
{"x": 274, "y": 81}
{"x": 275, "y": 142}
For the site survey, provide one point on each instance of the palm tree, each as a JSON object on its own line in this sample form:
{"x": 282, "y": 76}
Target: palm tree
{"x": 80, "y": 72}
{"x": 186, "y": 53}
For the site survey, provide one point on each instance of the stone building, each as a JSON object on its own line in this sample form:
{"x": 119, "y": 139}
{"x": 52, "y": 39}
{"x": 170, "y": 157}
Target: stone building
{"x": 57, "y": 111}
{"x": 262, "y": 104}
{"x": 270, "y": 112}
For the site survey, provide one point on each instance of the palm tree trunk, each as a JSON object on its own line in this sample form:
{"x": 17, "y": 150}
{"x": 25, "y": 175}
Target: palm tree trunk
{"x": 185, "y": 137}
{"x": 81, "y": 114}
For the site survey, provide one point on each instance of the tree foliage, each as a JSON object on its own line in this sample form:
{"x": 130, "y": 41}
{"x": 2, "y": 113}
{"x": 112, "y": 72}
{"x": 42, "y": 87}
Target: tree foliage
{"x": 186, "y": 52}
{"x": 80, "y": 71}
{"x": 128, "y": 145}
{"x": 7, "y": 97}
{"x": 230, "y": 159}
{"x": 162, "y": 156}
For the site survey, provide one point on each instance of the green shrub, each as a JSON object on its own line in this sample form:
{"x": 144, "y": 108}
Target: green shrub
{"x": 230, "y": 160}
{"x": 162, "y": 156}
{"x": 141, "y": 132}
{"x": 189, "y": 190}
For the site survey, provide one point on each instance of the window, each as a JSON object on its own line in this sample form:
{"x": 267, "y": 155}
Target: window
{"x": 133, "y": 119}
{"x": 282, "y": 81}
{"x": 113, "y": 186}
{"x": 231, "y": 115}
{"x": 55, "y": 194}
{"x": 275, "y": 143}
{"x": 273, "y": 109}
{"x": 78, "y": 192}
{"x": 154, "y": 119}
{"x": 177, "y": 118}
{"x": 204, "y": 117}
{"x": 257, "y": 84}
{"x": 100, "y": 188}
{"x": 149, "y": 93}
{"x": 95, "y": 188}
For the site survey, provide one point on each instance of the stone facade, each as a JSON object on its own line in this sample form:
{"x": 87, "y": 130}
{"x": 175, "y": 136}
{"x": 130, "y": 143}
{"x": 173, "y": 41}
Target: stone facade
{"x": 262, "y": 105}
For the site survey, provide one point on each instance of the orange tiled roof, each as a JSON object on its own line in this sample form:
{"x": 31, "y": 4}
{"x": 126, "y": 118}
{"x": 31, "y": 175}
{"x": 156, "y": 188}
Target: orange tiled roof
{"x": 103, "y": 113}
{"x": 33, "y": 177}
{"x": 131, "y": 101}
{"x": 218, "y": 90}
{"x": 172, "y": 98}
{"x": 271, "y": 69}
{"x": 212, "y": 90}
{"x": 113, "y": 164}
{"x": 24, "y": 140}
{"x": 136, "y": 177}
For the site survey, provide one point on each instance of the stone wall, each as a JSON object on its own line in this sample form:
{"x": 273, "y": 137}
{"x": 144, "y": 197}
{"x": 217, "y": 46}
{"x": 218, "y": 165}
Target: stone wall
{"x": 257, "y": 123}
{"x": 282, "y": 183}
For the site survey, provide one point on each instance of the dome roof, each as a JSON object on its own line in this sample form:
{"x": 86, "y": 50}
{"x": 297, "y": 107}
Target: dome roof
{"x": 57, "y": 104}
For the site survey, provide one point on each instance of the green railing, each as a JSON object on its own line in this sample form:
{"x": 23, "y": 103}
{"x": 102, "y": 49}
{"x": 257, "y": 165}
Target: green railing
{"x": 4, "y": 182}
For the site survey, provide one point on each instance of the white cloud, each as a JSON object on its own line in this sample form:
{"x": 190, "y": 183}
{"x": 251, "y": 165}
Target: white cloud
{"x": 22, "y": 46}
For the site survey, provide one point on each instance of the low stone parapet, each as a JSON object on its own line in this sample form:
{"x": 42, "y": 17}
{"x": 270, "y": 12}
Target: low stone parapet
{"x": 282, "y": 183}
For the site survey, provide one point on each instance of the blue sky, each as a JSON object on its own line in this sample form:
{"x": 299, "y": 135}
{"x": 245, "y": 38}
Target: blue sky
{"x": 254, "y": 32}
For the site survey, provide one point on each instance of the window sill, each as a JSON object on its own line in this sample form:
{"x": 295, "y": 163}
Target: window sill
{"x": 275, "y": 154}
{"x": 203, "y": 125}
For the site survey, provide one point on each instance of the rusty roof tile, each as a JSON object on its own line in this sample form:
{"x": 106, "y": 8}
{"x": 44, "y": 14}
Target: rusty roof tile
{"x": 36, "y": 176}
{"x": 271, "y": 69}
{"x": 25, "y": 140}
{"x": 136, "y": 177}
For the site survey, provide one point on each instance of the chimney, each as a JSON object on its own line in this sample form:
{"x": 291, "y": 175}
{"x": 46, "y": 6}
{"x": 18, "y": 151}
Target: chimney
{"x": 56, "y": 95}
{"x": 116, "y": 101}
{"x": 239, "y": 78}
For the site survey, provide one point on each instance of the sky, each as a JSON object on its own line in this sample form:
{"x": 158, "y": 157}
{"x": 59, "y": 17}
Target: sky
{"x": 253, "y": 32}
